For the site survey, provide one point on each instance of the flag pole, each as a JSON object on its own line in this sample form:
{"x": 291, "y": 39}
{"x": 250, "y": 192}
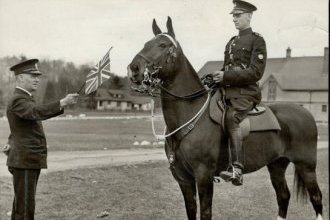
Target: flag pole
{"x": 82, "y": 86}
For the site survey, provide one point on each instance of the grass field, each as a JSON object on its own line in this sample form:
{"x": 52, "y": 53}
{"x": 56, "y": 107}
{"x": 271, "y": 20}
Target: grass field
{"x": 148, "y": 191}
{"x": 94, "y": 134}
{"x": 97, "y": 134}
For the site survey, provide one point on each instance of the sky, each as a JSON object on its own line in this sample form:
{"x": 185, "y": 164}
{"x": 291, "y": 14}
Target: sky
{"x": 82, "y": 31}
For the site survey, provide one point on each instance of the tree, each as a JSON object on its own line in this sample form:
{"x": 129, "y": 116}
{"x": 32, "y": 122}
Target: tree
{"x": 50, "y": 94}
{"x": 23, "y": 58}
{"x": 115, "y": 82}
{"x": 1, "y": 100}
{"x": 91, "y": 101}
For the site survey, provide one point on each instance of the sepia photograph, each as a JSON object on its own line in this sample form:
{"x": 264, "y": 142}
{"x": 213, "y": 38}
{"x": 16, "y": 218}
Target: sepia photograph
{"x": 158, "y": 110}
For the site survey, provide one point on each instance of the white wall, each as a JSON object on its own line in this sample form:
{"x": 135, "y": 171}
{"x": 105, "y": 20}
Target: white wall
{"x": 312, "y": 101}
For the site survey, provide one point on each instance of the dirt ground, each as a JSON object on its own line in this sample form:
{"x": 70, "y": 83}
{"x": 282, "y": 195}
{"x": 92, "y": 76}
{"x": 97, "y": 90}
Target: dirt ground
{"x": 147, "y": 190}
{"x": 65, "y": 160}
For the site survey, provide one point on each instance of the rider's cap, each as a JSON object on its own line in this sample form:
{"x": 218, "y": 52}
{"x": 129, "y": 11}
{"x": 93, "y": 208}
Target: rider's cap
{"x": 242, "y": 7}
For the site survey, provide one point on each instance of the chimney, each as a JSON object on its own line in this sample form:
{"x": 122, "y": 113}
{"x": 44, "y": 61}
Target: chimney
{"x": 325, "y": 71}
{"x": 288, "y": 52}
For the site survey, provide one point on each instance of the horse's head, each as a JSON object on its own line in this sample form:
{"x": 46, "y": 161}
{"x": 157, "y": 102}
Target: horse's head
{"x": 157, "y": 61}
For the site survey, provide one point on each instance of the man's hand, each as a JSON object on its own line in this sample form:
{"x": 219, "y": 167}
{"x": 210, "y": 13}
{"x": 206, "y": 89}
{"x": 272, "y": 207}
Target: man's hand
{"x": 218, "y": 76}
{"x": 69, "y": 99}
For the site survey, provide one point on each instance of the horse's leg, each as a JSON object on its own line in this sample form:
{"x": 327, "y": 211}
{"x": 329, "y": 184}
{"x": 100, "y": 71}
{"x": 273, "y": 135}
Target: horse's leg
{"x": 277, "y": 175}
{"x": 205, "y": 193}
{"x": 306, "y": 174}
{"x": 189, "y": 195}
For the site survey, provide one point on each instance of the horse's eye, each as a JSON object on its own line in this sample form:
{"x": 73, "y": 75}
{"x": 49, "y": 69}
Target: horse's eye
{"x": 162, "y": 45}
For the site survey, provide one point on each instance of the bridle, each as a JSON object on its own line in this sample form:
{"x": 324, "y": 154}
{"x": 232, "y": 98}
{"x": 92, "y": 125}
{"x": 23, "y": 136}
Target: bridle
{"x": 151, "y": 81}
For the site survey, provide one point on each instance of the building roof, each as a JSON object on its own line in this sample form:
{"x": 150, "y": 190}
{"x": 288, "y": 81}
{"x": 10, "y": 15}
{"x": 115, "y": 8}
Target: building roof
{"x": 210, "y": 67}
{"x": 116, "y": 91}
{"x": 107, "y": 95}
{"x": 293, "y": 73}
{"x": 302, "y": 73}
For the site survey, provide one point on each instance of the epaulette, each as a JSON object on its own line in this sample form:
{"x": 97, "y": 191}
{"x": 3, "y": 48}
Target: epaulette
{"x": 257, "y": 34}
{"x": 232, "y": 38}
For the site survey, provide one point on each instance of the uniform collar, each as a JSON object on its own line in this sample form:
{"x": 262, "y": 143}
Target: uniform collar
{"x": 24, "y": 90}
{"x": 245, "y": 32}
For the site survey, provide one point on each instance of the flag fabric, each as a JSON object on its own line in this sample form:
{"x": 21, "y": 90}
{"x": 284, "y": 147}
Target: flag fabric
{"x": 99, "y": 74}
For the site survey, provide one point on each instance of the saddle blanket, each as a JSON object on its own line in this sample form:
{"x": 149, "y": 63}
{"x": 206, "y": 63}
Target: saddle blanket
{"x": 261, "y": 122}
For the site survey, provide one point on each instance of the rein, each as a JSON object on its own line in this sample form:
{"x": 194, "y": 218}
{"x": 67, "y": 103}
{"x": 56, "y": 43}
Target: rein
{"x": 190, "y": 123}
{"x": 191, "y": 96}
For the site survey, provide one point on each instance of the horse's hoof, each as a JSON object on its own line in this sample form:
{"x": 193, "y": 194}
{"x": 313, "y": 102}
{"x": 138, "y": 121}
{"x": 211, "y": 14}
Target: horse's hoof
{"x": 280, "y": 218}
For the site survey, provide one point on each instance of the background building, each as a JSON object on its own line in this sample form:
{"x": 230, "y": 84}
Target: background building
{"x": 120, "y": 100}
{"x": 301, "y": 80}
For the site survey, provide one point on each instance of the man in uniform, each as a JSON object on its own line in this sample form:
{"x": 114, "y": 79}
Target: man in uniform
{"x": 244, "y": 65}
{"x": 28, "y": 148}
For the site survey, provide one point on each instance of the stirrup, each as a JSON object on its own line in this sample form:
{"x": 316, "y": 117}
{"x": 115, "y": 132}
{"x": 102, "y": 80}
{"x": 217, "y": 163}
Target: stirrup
{"x": 236, "y": 172}
{"x": 237, "y": 179}
{"x": 226, "y": 176}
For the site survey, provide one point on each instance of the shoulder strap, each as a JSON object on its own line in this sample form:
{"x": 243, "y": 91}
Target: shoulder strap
{"x": 256, "y": 34}
{"x": 232, "y": 38}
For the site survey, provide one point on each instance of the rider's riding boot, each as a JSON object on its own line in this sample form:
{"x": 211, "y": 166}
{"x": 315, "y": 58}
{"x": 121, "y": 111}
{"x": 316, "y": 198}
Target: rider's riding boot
{"x": 235, "y": 175}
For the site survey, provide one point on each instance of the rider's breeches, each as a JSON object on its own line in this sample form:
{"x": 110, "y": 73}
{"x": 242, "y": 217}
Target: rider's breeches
{"x": 237, "y": 110}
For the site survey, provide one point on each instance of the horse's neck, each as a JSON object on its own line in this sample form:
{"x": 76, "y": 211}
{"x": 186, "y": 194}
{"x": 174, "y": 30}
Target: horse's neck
{"x": 186, "y": 80}
{"x": 176, "y": 111}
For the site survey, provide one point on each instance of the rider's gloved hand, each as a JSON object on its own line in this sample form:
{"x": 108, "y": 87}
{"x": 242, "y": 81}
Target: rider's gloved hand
{"x": 218, "y": 76}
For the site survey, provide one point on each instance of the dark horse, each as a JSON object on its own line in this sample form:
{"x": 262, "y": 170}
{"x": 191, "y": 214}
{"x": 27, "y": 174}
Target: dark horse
{"x": 201, "y": 153}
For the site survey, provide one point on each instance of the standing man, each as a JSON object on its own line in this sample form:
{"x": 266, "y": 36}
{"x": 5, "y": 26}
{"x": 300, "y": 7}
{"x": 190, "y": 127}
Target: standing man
{"x": 244, "y": 65}
{"x": 28, "y": 147}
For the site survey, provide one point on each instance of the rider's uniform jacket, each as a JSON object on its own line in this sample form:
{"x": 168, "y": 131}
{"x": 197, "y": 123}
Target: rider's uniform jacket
{"x": 244, "y": 65}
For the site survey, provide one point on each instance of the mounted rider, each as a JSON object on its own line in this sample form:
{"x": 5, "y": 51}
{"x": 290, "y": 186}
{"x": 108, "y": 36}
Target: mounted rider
{"x": 244, "y": 65}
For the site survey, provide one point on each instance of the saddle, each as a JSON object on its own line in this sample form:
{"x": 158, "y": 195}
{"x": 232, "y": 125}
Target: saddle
{"x": 260, "y": 118}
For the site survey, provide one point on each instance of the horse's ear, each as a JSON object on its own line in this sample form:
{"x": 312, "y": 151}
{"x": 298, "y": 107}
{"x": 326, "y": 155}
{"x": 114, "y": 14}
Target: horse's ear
{"x": 155, "y": 28}
{"x": 170, "y": 30}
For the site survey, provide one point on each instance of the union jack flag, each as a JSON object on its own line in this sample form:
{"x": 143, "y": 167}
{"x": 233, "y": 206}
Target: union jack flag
{"x": 99, "y": 74}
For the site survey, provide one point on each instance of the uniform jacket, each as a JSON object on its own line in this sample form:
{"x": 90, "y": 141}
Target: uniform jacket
{"x": 244, "y": 65}
{"x": 28, "y": 143}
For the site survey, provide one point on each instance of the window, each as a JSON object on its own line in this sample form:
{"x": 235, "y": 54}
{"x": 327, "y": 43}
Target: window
{"x": 272, "y": 90}
{"x": 324, "y": 108}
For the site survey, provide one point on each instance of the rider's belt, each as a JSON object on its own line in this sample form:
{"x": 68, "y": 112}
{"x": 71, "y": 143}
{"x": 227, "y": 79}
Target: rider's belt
{"x": 235, "y": 67}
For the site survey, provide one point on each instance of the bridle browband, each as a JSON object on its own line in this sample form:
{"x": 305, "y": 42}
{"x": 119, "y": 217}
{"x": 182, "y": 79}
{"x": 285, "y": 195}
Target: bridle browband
{"x": 151, "y": 81}
{"x": 174, "y": 42}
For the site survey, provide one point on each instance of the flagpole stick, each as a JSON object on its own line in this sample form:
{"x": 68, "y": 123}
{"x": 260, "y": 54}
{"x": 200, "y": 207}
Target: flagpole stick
{"x": 83, "y": 85}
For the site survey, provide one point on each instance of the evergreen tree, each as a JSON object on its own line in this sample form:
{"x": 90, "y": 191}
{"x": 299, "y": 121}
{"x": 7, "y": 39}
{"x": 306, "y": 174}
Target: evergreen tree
{"x": 1, "y": 100}
{"x": 50, "y": 94}
{"x": 115, "y": 82}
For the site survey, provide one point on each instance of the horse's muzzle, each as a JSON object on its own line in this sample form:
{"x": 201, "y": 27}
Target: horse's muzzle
{"x": 133, "y": 73}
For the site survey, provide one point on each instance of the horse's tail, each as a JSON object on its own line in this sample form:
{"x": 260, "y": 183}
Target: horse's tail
{"x": 300, "y": 187}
